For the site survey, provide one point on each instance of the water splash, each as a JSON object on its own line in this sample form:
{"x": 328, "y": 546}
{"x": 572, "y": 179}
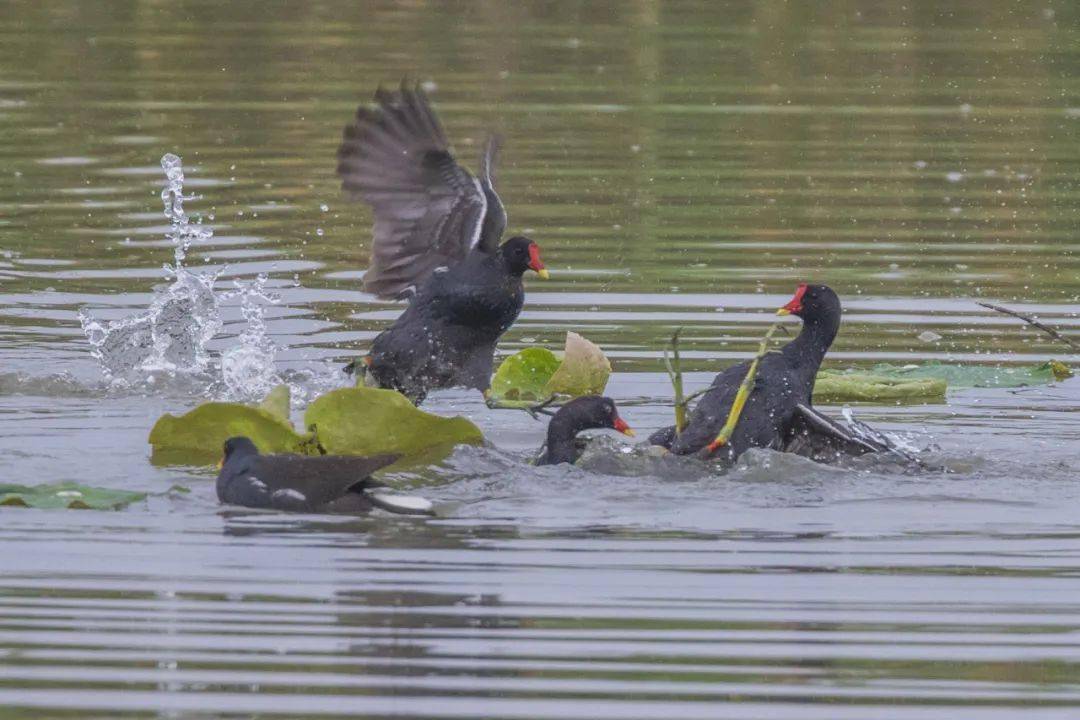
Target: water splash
{"x": 248, "y": 369}
{"x": 171, "y": 335}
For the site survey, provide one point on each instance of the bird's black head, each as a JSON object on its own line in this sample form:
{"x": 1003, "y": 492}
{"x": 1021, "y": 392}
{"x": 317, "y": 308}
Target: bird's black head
{"x": 590, "y": 412}
{"x": 813, "y": 303}
{"x": 521, "y": 254}
{"x": 239, "y": 447}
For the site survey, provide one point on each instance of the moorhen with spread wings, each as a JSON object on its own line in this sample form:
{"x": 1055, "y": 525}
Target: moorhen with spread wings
{"x": 436, "y": 242}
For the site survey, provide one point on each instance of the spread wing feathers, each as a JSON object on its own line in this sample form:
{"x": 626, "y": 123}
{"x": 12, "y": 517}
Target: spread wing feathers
{"x": 319, "y": 480}
{"x": 428, "y": 209}
{"x": 819, "y": 437}
{"x": 495, "y": 218}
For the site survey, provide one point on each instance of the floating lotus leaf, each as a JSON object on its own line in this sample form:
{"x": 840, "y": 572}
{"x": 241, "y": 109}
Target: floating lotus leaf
{"x": 584, "y": 369}
{"x": 535, "y": 373}
{"x": 525, "y": 375}
{"x": 369, "y": 421}
{"x": 196, "y": 438}
{"x": 277, "y": 402}
{"x": 1001, "y": 376}
{"x": 66, "y": 496}
{"x": 835, "y": 387}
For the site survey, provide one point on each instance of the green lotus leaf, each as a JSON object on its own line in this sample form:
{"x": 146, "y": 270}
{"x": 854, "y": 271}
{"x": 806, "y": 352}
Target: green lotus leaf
{"x": 988, "y": 376}
{"x": 584, "y": 369}
{"x": 66, "y": 495}
{"x": 195, "y": 438}
{"x": 370, "y": 421}
{"x": 277, "y": 402}
{"x": 835, "y": 387}
{"x": 525, "y": 375}
{"x": 535, "y": 373}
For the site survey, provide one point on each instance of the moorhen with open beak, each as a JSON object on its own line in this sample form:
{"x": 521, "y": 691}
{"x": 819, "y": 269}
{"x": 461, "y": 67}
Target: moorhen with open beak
{"x": 436, "y": 242}
{"x": 778, "y": 409}
{"x": 590, "y": 412}
{"x": 302, "y": 483}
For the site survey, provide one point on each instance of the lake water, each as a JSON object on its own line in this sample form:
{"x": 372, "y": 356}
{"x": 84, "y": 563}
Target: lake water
{"x": 681, "y": 164}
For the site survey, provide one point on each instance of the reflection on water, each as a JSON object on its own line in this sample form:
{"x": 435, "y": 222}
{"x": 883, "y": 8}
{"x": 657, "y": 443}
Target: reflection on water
{"x": 682, "y": 164}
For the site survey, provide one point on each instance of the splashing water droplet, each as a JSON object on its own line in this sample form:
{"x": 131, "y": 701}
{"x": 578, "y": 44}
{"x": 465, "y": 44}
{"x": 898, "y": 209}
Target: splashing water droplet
{"x": 248, "y": 369}
{"x": 172, "y": 333}
{"x": 168, "y": 340}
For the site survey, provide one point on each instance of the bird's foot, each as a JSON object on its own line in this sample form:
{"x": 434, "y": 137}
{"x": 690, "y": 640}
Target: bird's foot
{"x": 358, "y": 367}
{"x": 535, "y": 410}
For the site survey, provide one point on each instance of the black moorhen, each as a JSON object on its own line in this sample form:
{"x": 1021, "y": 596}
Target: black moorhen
{"x": 436, "y": 242}
{"x": 590, "y": 412}
{"x": 300, "y": 483}
{"x": 779, "y": 406}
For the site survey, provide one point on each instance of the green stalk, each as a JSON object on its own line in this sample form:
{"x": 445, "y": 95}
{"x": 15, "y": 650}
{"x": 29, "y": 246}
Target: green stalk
{"x": 743, "y": 394}
{"x": 673, "y": 365}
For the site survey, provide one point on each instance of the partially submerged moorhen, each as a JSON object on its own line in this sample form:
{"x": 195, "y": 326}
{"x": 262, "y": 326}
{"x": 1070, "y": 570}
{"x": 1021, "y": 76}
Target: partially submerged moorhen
{"x": 590, "y": 412}
{"x": 301, "y": 483}
{"x": 436, "y": 242}
{"x": 778, "y": 413}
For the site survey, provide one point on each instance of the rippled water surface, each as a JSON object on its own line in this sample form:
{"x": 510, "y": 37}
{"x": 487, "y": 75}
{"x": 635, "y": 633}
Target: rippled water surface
{"x": 681, "y": 164}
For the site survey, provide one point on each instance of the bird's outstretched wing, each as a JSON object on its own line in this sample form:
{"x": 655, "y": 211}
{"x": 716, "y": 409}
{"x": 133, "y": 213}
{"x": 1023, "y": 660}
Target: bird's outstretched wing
{"x": 819, "y": 437}
{"x": 429, "y": 211}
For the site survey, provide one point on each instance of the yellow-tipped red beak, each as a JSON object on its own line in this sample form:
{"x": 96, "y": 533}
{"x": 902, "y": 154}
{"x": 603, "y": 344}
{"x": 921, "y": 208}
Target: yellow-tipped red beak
{"x": 221, "y": 463}
{"x": 794, "y": 304}
{"x": 535, "y": 263}
{"x": 622, "y": 427}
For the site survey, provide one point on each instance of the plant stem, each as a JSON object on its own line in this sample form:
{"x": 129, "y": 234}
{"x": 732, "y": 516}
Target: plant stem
{"x": 743, "y": 394}
{"x": 1033, "y": 322}
{"x": 673, "y": 365}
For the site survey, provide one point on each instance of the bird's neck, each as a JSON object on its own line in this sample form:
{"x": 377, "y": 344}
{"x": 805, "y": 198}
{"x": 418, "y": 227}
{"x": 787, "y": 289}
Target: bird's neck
{"x": 807, "y": 351}
{"x": 561, "y": 436}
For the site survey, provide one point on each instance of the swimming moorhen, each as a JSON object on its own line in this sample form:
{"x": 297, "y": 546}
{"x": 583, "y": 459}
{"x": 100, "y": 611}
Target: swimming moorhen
{"x": 301, "y": 483}
{"x": 436, "y": 242}
{"x": 779, "y": 406}
{"x": 590, "y": 412}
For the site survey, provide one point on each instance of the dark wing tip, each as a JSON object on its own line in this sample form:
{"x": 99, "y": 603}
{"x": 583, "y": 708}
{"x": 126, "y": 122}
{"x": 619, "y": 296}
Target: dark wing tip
{"x": 394, "y": 155}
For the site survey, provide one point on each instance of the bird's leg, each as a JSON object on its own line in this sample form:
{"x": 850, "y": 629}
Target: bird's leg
{"x": 534, "y": 409}
{"x": 544, "y": 408}
{"x": 359, "y": 368}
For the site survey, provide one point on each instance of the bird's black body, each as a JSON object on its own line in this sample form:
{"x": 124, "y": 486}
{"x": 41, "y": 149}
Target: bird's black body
{"x": 584, "y": 413}
{"x": 447, "y": 335}
{"x": 436, "y": 241}
{"x": 784, "y": 382}
{"x": 299, "y": 483}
